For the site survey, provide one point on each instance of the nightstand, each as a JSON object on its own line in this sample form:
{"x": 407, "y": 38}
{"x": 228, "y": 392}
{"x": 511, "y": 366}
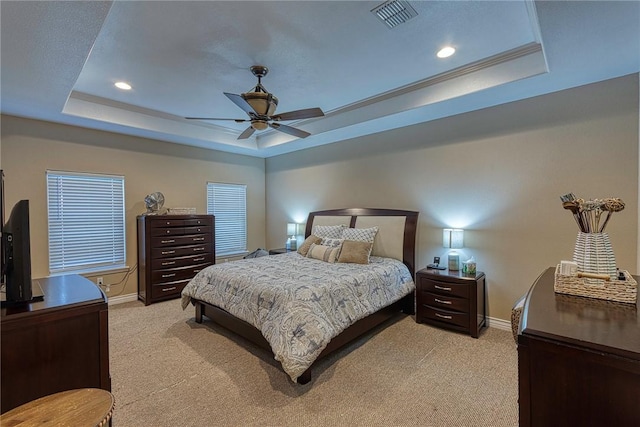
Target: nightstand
{"x": 279, "y": 251}
{"x": 451, "y": 300}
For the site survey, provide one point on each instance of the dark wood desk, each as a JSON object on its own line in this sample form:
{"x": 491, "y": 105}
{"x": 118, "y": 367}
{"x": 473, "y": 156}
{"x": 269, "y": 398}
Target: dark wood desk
{"x": 578, "y": 360}
{"x": 60, "y": 343}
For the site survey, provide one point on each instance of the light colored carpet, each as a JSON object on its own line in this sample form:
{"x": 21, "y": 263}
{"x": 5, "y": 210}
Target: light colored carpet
{"x": 167, "y": 370}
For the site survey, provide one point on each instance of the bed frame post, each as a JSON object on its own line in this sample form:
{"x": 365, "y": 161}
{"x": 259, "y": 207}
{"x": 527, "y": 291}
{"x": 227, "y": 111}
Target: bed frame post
{"x": 305, "y": 377}
{"x": 198, "y": 312}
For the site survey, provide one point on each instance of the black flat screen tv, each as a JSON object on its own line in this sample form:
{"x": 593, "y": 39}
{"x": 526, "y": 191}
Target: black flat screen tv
{"x": 17, "y": 254}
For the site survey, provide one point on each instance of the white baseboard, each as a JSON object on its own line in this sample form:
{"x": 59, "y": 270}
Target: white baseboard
{"x": 121, "y": 299}
{"x": 494, "y": 322}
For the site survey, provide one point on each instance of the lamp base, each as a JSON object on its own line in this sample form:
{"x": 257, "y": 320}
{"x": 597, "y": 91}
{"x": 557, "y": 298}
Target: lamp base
{"x": 454, "y": 262}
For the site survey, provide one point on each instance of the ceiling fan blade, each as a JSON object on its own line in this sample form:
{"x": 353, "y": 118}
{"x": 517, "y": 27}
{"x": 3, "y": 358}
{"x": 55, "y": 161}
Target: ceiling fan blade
{"x": 240, "y": 102}
{"x": 290, "y": 130}
{"x": 299, "y": 114}
{"x": 247, "y": 133}
{"x": 215, "y": 118}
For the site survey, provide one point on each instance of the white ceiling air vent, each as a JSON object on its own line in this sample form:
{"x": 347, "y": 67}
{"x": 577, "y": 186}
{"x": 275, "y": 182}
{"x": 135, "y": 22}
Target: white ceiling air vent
{"x": 394, "y": 12}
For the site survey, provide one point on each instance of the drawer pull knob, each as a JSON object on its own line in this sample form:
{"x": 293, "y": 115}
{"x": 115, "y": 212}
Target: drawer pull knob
{"x": 168, "y": 263}
{"x": 442, "y": 302}
{"x": 443, "y": 316}
{"x": 169, "y": 289}
{"x": 164, "y": 276}
{"x": 168, "y": 241}
{"x": 442, "y": 288}
{"x": 168, "y": 252}
{"x": 198, "y": 239}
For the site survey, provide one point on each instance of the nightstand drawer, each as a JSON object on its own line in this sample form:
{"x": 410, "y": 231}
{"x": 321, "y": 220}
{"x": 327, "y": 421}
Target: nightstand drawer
{"x": 445, "y": 302}
{"x": 445, "y": 316}
{"x": 444, "y": 288}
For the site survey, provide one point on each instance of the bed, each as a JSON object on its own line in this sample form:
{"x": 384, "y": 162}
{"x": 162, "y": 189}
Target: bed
{"x": 301, "y": 307}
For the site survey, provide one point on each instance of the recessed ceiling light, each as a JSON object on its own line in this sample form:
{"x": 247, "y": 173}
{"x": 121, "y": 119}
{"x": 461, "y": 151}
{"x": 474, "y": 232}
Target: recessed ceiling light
{"x": 446, "y": 52}
{"x": 123, "y": 85}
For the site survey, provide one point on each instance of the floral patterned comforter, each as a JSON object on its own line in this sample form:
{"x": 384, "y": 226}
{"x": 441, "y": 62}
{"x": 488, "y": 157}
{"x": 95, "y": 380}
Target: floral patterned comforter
{"x": 300, "y": 304}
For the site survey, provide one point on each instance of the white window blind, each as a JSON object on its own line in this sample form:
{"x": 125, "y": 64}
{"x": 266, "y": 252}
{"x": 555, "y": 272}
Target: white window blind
{"x": 228, "y": 202}
{"x": 86, "y": 222}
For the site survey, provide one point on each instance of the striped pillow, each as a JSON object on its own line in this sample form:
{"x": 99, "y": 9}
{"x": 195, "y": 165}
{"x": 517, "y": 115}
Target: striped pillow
{"x": 323, "y": 253}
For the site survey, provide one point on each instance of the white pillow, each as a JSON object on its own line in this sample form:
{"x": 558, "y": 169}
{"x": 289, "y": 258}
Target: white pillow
{"x": 360, "y": 234}
{"x": 328, "y": 231}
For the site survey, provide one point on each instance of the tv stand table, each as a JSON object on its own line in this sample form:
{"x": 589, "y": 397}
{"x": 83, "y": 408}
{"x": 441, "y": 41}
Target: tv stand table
{"x": 58, "y": 344}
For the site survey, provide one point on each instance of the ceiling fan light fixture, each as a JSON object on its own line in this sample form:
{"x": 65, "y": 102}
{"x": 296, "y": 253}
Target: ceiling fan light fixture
{"x": 259, "y": 124}
{"x": 263, "y": 104}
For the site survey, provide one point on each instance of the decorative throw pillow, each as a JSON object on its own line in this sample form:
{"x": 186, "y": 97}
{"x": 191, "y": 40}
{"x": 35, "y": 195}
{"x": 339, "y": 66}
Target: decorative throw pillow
{"x": 304, "y": 247}
{"x": 329, "y": 231}
{"x": 355, "y": 252}
{"x": 360, "y": 234}
{"x": 332, "y": 243}
{"x": 323, "y": 253}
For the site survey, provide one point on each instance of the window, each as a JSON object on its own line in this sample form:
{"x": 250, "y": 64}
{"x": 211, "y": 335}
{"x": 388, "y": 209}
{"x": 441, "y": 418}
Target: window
{"x": 228, "y": 202}
{"x": 86, "y": 222}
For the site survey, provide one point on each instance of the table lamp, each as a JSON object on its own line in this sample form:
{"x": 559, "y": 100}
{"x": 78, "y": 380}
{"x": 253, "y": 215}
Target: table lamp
{"x": 453, "y": 238}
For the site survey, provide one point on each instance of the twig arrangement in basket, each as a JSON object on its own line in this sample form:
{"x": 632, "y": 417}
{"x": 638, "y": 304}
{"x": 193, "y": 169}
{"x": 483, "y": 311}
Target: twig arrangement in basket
{"x": 588, "y": 213}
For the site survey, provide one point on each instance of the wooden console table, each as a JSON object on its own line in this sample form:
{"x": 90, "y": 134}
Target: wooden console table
{"x": 58, "y": 344}
{"x": 578, "y": 360}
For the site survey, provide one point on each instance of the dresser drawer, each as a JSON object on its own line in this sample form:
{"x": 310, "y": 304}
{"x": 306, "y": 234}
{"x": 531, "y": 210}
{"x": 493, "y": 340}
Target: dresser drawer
{"x": 198, "y": 221}
{"x": 445, "y": 316}
{"x": 444, "y": 288}
{"x": 198, "y": 229}
{"x": 173, "y": 274}
{"x": 159, "y": 242}
{"x": 444, "y": 302}
{"x": 167, "y": 222}
{"x": 168, "y": 290}
{"x": 168, "y": 231}
{"x": 164, "y": 263}
{"x": 171, "y": 252}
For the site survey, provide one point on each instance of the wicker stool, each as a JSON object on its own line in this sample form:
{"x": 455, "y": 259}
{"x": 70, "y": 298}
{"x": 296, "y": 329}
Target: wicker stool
{"x": 516, "y": 312}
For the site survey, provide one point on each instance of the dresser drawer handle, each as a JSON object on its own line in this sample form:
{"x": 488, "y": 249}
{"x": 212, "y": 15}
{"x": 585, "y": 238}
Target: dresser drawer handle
{"x": 168, "y": 241}
{"x": 168, "y": 231}
{"x": 164, "y": 276}
{"x": 198, "y": 239}
{"x": 173, "y": 288}
{"x": 168, "y": 252}
{"x": 198, "y": 259}
{"x": 168, "y": 263}
{"x": 198, "y": 249}
{"x": 197, "y": 271}
{"x": 443, "y": 316}
{"x": 442, "y": 302}
{"x": 442, "y": 288}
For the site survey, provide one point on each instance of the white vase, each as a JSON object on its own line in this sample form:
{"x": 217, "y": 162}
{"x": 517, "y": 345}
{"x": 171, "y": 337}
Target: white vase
{"x": 593, "y": 254}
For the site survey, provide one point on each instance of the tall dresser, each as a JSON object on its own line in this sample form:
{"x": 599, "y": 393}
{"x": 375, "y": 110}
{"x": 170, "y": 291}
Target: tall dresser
{"x": 172, "y": 249}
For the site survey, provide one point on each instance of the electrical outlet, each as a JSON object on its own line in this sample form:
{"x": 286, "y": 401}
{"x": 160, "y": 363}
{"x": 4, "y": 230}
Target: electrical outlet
{"x": 108, "y": 289}
{"x": 100, "y": 281}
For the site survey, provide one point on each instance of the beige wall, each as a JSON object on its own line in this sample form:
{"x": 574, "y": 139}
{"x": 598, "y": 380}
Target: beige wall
{"x": 180, "y": 172}
{"x": 498, "y": 173}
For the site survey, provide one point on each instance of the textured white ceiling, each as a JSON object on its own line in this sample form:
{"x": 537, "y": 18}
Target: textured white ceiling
{"x": 60, "y": 60}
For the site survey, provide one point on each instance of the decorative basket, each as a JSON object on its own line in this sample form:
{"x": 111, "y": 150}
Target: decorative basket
{"x": 612, "y": 290}
{"x": 182, "y": 211}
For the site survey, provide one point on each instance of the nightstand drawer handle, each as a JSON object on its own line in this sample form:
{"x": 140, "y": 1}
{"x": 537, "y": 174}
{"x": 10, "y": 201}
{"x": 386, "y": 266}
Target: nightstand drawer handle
{"x": 442, "y": 288}
{"x": 168, "y": 263}
{"x": 198, "y": 259}
{"x": 169, "y": 289}
{"x": 168, "y": 241}
{"x": 198, "y": 249}
{"x": 443, "y": 316}
{"x": 164, "y": 276}
{"x": 442, "y": 302}
{"x": 168, "y": 252}
{"x": 198, "y": 239}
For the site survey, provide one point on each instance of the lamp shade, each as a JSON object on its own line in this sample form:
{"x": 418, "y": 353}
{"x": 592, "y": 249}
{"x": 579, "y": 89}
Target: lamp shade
{"x": 453, "y": 238}
{"x": 292, "y": 229}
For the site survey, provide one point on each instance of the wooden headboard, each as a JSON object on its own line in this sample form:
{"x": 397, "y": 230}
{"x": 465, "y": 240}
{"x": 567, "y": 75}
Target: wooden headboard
{"x": 396, "y": 229}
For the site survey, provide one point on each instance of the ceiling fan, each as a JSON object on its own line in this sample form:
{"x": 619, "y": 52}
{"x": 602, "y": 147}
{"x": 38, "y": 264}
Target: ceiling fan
{"x": 261, "y": 105}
